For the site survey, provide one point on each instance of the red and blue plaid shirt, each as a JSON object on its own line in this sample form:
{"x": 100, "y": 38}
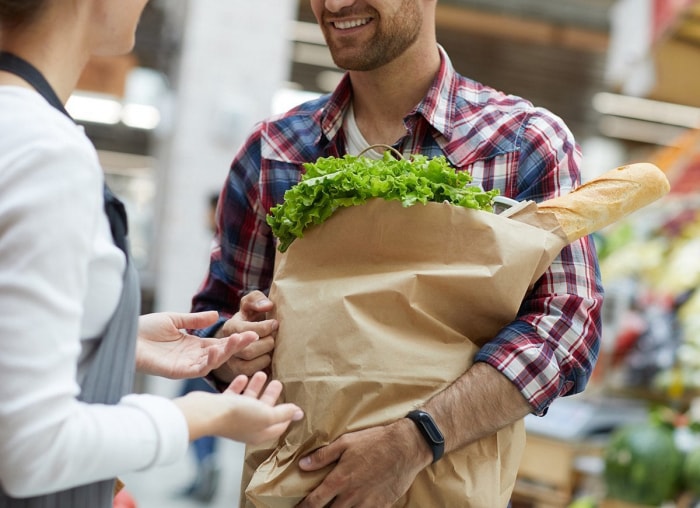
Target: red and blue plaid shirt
{"x": 504, "y": 142}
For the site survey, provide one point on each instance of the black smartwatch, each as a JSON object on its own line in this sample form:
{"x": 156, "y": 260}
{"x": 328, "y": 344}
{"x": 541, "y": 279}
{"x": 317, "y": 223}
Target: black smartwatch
{"x": 430, "y": 432}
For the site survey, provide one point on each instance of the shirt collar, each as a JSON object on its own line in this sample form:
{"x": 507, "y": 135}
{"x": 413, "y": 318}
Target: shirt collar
{"x": 438, "y": 105}
{"x": 334, "y": 112}
{"x": 435, "y": 106}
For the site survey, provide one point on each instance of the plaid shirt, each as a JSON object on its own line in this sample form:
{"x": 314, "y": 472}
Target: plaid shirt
{"x": 504, "y": 142}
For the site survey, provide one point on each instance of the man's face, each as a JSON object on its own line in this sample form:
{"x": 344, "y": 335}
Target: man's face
{"x": 364, "y": 35}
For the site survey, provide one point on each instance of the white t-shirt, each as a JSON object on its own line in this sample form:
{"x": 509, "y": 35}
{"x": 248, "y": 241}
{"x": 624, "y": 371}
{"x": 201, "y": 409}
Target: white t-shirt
{"x": 355, "y": 142}
{"x": 60, "y": 282}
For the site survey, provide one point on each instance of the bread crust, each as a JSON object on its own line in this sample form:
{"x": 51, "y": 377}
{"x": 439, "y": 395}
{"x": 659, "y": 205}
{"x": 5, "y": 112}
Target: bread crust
{"x": 607, "y": 198}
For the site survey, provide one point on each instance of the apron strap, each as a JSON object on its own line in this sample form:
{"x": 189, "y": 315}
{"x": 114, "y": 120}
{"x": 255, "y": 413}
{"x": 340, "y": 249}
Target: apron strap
{"x": 20, "y": 67}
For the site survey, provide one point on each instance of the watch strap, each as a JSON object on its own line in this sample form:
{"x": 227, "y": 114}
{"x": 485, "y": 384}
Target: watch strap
{"x": 430, "y": 432}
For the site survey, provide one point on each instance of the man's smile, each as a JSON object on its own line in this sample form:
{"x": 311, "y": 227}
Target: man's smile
{"x": 353, "y": 23}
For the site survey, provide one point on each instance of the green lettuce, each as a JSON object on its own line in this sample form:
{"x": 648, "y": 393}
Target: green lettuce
{"x": 331, "y": 183}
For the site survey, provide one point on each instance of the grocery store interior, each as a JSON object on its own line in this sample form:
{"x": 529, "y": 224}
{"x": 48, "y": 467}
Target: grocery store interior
{"x": 623, "y": 74}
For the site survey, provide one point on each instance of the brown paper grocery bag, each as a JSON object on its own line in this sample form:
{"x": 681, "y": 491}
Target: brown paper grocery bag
{"x": 381, "y": 307}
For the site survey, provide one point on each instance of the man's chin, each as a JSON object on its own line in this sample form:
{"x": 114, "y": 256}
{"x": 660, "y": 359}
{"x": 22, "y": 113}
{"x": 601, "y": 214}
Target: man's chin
{"x": 354, "y": 64}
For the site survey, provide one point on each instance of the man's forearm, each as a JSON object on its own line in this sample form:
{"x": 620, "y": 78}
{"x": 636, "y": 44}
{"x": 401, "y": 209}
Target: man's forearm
{"x": 479, "y": 403}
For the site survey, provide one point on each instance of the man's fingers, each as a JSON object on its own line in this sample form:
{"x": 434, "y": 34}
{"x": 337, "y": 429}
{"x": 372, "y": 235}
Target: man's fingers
{"x": 254, "y": 296}
{"x": 254, "y": 305}
{"x": 321, "y": 458}
{"x": 263, "y": 328}
{"x": 260, "y": 347}
{"x": 249, "y": 367}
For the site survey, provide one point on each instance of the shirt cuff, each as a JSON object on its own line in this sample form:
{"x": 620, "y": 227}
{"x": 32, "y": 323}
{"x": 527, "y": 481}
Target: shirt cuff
{"x": 169, "y": 424}
{"x": 211, "y": 330}
{"x": 526, "y": 360}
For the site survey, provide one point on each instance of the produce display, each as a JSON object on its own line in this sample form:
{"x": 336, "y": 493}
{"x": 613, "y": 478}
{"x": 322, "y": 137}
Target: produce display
{"x": 691, "y": 472}
{"x": 655, "y": 259}
{"x": 657, "y": 462}
{"x": 643, "y": 465}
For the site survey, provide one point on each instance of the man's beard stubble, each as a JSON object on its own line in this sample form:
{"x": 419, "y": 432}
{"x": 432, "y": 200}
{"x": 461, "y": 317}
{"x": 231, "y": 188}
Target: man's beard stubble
{"x": 391, "y": 39}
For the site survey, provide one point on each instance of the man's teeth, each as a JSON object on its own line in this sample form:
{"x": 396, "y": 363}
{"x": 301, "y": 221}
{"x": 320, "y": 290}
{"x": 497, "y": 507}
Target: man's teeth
{"x": 344, "y": 25}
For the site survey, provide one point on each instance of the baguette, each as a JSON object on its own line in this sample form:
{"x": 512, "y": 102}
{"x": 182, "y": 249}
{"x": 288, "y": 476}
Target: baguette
{"x": 607, "y": 199}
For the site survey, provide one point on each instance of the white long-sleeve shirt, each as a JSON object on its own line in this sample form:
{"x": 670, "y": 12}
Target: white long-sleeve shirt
{"x": 60, "y": 281}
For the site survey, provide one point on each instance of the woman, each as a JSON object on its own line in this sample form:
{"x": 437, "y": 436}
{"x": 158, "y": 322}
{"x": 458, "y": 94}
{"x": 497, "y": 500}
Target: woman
{"x": 69, "y": 292}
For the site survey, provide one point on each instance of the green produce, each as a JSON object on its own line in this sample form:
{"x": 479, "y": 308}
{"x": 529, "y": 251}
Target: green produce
{"x": 691, "y": 472}
{"x": 331, "y": 183}
{"x": 584, "y": 502}
{"x": 642, "y": 464}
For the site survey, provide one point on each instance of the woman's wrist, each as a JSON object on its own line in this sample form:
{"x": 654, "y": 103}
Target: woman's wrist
{"x": 195, "y": 414}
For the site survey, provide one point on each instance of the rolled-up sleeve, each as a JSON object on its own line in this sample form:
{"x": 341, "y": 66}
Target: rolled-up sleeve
{"x": 551, "y": 348}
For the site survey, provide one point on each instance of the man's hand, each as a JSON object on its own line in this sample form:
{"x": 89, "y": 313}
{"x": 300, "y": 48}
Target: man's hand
{"x": 258, "y": 355}
{"x": 371, "y": 468}
{"x": 165, "y": 349}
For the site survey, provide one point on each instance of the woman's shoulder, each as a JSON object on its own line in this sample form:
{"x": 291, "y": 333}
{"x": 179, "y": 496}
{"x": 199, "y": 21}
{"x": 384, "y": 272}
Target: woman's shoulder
{"x": 27, "y": 112}
{"x": 32, "y": 131}
{"x": 44, "y": 156}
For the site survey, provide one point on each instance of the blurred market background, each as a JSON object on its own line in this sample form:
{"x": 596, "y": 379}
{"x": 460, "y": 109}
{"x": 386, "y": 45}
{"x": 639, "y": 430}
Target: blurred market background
{"x": 623, "y": 74}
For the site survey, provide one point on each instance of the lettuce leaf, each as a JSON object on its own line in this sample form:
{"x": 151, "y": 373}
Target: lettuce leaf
{"x": 332, "y": 182}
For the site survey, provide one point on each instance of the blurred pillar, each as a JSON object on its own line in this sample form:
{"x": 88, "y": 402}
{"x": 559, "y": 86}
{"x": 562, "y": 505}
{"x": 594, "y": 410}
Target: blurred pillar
{"x": 234, "y": 57}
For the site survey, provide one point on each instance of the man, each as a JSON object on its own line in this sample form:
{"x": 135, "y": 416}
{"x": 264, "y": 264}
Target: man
{"x": 400, "y": 89}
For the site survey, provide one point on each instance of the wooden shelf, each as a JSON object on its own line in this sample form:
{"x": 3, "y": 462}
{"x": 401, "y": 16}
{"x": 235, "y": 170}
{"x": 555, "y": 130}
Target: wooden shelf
{"x": 548, "y": 477}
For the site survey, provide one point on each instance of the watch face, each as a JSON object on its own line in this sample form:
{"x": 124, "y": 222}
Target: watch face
{"x": 431, "y": 429}
{"x": 428, "y": 426}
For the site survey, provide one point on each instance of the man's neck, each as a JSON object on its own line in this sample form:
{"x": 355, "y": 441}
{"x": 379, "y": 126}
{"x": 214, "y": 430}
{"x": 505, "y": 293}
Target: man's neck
{"x": 383, "y": 97}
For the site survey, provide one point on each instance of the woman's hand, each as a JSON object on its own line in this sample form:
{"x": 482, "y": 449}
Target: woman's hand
{"x": 164, "y": 347}
{"x": 245, "y": 412}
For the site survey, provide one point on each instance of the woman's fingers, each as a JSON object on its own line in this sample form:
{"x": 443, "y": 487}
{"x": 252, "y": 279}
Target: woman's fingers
{"x": 249, "y": 387}
{"x": 272, "y": 393}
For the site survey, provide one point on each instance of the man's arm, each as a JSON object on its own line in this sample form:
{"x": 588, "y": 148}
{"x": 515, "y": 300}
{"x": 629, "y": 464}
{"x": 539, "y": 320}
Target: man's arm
{"x": 483, "y": 397}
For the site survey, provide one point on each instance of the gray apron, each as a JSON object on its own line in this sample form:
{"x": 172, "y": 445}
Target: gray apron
{"x": 110, "y": 372}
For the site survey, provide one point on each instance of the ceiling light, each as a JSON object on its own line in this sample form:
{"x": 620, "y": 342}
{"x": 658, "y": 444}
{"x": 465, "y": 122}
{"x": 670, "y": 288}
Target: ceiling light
{"x": 646, "y": 109}
{"x": 140, "y": 116}
{"x": 94, "y": 108}
{"x": 640, "y": 130}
